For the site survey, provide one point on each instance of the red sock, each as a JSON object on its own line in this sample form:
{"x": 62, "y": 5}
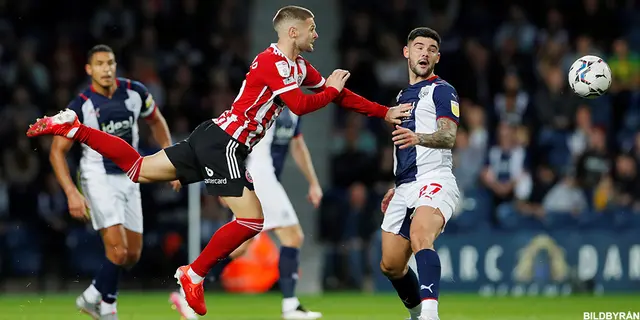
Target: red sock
{"x": 224, "y": 241}
{"x": 112, "y": 148}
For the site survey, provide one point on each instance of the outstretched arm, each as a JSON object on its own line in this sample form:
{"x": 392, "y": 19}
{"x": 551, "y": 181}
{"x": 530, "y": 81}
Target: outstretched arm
{"x": 355, "y": 102}
{"x": 350, "y": 100}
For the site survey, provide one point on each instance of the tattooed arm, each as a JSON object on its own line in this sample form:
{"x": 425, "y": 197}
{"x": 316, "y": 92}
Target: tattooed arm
{"x": 443, "y": 138}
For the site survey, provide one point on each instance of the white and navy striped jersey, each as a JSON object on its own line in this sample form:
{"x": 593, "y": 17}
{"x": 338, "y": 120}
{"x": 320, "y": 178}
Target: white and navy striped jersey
{"x": 271, "y": 152}
{"x": 117, "y": 115}
{"x": 431, "y": 99}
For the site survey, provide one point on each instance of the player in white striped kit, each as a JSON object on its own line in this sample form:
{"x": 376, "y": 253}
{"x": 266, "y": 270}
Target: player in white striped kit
{"x": 112, "y": 105}
{"x": 426, "y": 192}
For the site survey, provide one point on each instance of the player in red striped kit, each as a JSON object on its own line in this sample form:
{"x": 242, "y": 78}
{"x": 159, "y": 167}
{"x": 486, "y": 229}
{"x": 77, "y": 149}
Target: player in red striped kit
{"x": 216, "y": 150}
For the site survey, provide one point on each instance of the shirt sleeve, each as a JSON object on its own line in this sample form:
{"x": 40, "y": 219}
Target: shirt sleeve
{"x": 446, "y": 101}
{"x": 313, "y": 79}
{"x": 355, "y": 102}
{"x": 346, "y": 99}
{"x": 148, "y": 104}
{"x": 301, "y": 103}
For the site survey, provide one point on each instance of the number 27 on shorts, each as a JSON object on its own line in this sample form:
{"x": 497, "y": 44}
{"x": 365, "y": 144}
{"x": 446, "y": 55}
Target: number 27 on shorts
{"x": 430, "y": 190}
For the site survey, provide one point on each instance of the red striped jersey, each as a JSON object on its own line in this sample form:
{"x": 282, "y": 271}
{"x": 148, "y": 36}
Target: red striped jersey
{"x": 258, "y": 104}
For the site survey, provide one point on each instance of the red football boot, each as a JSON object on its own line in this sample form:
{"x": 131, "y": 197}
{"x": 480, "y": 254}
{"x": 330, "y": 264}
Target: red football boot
{"x": 193, "y": 293}
{"x": 64, "y": 124}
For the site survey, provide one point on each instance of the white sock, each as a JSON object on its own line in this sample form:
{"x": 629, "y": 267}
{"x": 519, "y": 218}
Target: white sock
{"x": 92, "y": 295}
{"x": 72, "y": 133}
{"x": 415, "y": 312}
{"x": 430, "y": 308}
{"x": 108, "y": 308}
{"x": 195, "y": 278}
{"x": 290, "y": 304}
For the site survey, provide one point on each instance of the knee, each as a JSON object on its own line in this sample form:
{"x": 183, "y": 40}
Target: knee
{"x": 292, "y": 236}
{"x": 392, "y": 270}
{"x": 296, "y": 238}
{"x": 118, "y": 255}
{"x": 133, "y": 256}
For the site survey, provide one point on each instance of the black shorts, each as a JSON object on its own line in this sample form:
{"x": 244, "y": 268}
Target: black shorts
{"x": 211, "y": 155}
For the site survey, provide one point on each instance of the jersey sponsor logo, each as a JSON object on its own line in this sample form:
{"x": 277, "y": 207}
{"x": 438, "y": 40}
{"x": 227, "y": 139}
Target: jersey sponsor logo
{"x": 210, "y": 173}
{"x": 117, "y": 127}
{"x": 283, "y": 133}
{"x": 289, "y": 80}
{"x": 283, "y": 68}
{"x": 215, "y": 181}
{"x": 455, "y": 108}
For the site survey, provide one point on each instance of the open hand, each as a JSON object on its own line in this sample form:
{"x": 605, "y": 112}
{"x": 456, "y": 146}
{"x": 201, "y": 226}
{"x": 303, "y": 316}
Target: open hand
{"x": 387, "y": 198}
{"x": 404, "y": 138}
{"x": 397, "y": 113}
{"x": 338, "y": 79}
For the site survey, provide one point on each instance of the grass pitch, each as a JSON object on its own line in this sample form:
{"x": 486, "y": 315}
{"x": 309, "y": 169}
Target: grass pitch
{"x": 346, "y": 306}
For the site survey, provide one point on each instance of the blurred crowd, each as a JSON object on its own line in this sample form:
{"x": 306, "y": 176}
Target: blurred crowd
{"x": 529, "y": 153}
{"x": 191, "y": 55}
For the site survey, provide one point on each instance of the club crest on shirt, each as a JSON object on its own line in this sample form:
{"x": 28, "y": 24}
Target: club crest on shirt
{"x": 424, "y": 91}
{"x": 283, "y": 68}
{"x": 248, "y": 176}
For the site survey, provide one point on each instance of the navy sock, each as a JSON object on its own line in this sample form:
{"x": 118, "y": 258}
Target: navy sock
{"x": 218, "y": 268}
{"x": 408, "y": 289}
{"x": 428, "y": 263}
{"x": 106, "y": 281}
{"x": 288, "y": 267}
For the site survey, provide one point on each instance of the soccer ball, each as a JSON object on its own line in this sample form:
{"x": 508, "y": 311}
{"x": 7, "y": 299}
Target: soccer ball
{"x": 590, "y": 77}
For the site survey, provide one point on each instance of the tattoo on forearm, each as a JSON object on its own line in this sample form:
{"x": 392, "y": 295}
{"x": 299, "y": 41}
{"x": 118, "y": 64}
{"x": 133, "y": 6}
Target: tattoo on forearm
{"x": 443, "y": 138}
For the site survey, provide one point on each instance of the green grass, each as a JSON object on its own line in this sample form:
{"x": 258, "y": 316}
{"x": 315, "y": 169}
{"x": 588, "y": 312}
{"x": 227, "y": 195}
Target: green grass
{"x": 352, "y": 306}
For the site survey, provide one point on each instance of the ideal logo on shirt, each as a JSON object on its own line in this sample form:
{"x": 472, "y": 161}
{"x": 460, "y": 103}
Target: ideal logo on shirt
{"x": 118, "y": 127}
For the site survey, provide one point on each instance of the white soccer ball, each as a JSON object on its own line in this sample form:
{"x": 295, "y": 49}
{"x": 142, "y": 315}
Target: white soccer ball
{"x": 590, "y": 77}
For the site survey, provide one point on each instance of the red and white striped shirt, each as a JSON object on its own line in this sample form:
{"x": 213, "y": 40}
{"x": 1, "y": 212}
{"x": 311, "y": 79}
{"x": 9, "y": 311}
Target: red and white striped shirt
{"x": 273, "y": 82}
